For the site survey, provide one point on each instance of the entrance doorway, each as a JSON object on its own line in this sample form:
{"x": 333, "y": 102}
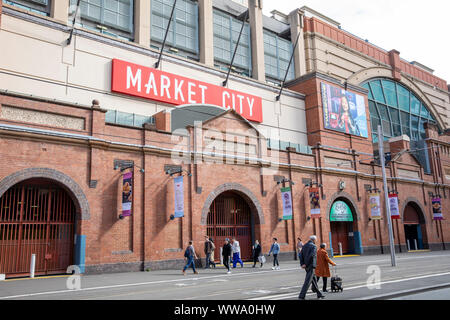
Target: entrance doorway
{"x": 230, "y": 217}
{"x": 36, "y": 217}
{"x": 342, "y": 228}
{"x": 415, "y": 232}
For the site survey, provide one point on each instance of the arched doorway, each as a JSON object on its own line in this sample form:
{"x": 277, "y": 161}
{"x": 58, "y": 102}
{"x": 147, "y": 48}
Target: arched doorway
{"x": 230, "y": 216}
{"x": 415, "y": 231}
{"x": 344, "y": 227}
{"x": 37, "y": 217}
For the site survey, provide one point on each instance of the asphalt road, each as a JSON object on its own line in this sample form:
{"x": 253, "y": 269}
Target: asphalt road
{"x": 426, "y": 271}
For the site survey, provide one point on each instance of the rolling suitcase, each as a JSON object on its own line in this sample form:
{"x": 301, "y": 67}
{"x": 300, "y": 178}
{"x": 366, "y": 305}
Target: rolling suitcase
{"x": 336, "y": 282}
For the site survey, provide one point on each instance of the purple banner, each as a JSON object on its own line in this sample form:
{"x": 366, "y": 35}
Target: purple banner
{"x": 437, "y": 209}
{"x": 127, "y": 194}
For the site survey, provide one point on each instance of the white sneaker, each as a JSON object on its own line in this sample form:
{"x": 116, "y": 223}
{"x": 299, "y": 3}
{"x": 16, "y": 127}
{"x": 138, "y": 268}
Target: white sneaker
{"x": 229, "y": 272}
{"x": 273, "y": 268}
{"x": 278, "y": 268}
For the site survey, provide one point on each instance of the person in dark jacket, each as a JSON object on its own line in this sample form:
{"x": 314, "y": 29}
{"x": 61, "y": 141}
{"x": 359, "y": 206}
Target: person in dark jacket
{"x": 226, "y": 254}
{"x": 256, "y": 253}
{"x": 308, "y": 261}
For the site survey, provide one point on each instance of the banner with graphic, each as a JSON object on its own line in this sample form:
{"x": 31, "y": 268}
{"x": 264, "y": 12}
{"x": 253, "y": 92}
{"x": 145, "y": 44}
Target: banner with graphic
{"x": 344, "y": 111}
{"x": 437, "y": 209}
{"x": 374, "y": 204}
{"x": 287, "y": 203}
{"x": 127, "y": 194}
{"x": 314, "y": 199}
{"x": 393, "y": 205}
{"x": 179, "y": 197}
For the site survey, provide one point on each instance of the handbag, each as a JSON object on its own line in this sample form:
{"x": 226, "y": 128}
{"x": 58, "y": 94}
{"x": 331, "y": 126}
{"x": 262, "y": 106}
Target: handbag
{"x": 262, "y": 259}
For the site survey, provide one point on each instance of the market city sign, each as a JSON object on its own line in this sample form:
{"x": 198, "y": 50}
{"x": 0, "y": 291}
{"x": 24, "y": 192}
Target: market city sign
{"x": 144, "y": 82}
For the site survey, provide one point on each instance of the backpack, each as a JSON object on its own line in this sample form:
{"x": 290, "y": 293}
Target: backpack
{"x": 187, "y": 253}
{"x": 213, "y": 247}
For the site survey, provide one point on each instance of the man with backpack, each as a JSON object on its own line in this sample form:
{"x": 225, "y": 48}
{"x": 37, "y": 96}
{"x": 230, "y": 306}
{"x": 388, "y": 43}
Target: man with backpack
{"x": 190, "y": 256}
{"x": 209, "y": 250}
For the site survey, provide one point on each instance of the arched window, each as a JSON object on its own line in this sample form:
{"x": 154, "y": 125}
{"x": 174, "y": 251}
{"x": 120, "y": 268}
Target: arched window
{"x": 397, "y": 109}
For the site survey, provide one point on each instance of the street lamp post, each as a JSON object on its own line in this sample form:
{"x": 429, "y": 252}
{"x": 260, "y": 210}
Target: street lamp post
{"x": 386, "y": 198}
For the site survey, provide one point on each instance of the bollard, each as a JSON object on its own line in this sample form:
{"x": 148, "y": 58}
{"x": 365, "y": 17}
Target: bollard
{"x": 221, "y": 257}
{"x": 32, "y": 265}
{"x": 409, "y": 247}
{"x": 340, "y": 248}
{"x": 415, "y": 243}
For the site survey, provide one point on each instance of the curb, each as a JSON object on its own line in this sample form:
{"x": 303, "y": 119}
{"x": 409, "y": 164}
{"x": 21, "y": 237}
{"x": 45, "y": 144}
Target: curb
{"x": 407, "y": 292}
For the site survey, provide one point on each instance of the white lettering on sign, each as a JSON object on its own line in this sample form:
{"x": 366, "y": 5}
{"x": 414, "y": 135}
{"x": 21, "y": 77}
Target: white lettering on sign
{"x": 178, "y": 91}
{"x": 191, "y": 92}
{"x": 165, "y": 85}
{"x": 135, "y": 80}
{"x": 151, "y": 84}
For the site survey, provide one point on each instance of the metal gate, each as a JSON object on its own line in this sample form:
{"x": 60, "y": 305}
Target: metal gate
{"x": 230, "y": 217}
{"x": 36, "y": 218}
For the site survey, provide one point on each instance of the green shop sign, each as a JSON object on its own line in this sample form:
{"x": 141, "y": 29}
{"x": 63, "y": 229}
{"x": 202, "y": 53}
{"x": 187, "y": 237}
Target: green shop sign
{"x": 340, "y": 211}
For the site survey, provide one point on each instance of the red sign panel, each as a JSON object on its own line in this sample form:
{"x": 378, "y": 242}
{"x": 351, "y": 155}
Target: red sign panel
{"x": 135, "y": 80}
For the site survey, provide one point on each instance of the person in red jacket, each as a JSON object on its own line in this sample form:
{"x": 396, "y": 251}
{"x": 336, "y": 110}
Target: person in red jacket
{"x": 322, "y": 269}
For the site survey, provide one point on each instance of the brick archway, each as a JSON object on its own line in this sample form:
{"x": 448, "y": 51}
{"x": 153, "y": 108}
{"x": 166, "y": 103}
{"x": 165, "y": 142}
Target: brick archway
{"x": 418, "y": 205}
{"x": 251, "y": 199}
{"x": 74, "y": 190}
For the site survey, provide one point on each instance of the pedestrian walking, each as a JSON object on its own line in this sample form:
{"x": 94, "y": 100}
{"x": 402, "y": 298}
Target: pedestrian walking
{"x": 256, "y": 253}
{"x": 308, "y": 261}
{"x": 190, "y": 257}
{"x": 323, "y": 269}
{"x": 209, "y": 250}
{"x": 299, "y": 247}
{"x": 275, "y": 249}
{"x": 236, "y": 253}
{"x": 226, "y": 254}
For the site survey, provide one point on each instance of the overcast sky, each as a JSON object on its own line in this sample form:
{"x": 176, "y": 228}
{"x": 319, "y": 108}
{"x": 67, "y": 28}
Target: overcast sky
{"x": 419, "y": 29}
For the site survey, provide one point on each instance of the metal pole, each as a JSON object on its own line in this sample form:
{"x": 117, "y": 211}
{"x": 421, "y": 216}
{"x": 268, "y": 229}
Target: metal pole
{"x": 386, "y": 198}
{"x": 340, "y": 248}
{"x": 236, "y": 48}
{"x": 165, "y": 35}
{"x": 32, "y": 265}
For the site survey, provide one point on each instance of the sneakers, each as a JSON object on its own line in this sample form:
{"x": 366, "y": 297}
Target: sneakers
{"x": 277, "y": 268}
{"x": 195, "y": 272}
{"x": 273, "y": 268}
{"x": 229, "y": 272}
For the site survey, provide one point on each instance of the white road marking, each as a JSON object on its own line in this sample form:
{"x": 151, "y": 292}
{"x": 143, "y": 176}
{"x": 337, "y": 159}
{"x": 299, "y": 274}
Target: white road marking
{"x": 293, "y": 295}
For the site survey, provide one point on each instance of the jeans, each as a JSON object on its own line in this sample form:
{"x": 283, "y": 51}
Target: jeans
{"x": 309, "y": 279}
{"x": 275, "y": 259}
{"x": 190, "y": 262}
{"x": 226, "y": 262}
{"x": 236, "y": 259}
{"x": 208, "y": 260}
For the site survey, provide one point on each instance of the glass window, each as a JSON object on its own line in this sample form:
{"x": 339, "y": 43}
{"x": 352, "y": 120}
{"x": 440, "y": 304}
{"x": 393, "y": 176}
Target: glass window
{"x": 366, "y": 86}
{"x": 226, "y": 33}
{"x": 402, "y": 113}
{"x": 110, "y": 17}
{"x": 377, "y": 91}
{"x": 277, "y": 54}
{"x": 36, "y": 6}
{"x": 415, "y": 105}
{"x": 390, "y": 92}
{"x": 183, "y": 31}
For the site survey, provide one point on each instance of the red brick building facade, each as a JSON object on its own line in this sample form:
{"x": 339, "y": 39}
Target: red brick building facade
{"x": 62, "y": 163}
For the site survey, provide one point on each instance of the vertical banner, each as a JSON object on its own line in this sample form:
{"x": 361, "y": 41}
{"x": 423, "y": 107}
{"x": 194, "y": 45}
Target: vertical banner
{"x": 374, "y": 204}
{"x": 127, "y": 194}
{"x": 393, "y": 205}
{"x": 315, "y": 202}
{"x": 287, "y": 203}
{"x": 437, "y": 209}
{"x": 179, "y": 197}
